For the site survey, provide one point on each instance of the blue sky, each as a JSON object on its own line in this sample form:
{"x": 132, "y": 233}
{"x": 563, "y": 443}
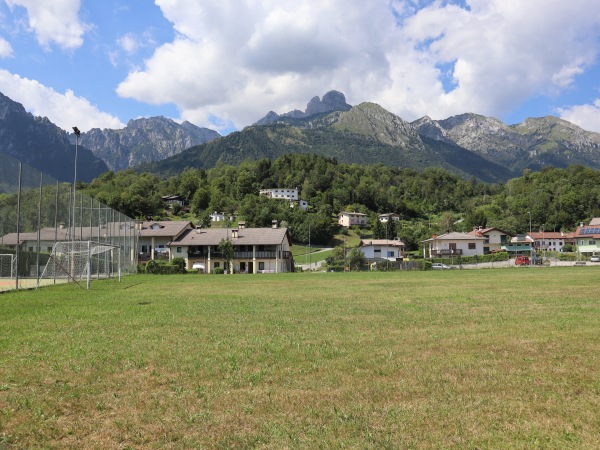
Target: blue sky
{"x": 224, "y": 65}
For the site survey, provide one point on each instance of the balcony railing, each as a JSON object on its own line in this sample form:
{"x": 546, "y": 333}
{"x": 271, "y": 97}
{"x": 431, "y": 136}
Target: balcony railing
{"x": 447, "y": 252}
{"x": 241, "y": 255}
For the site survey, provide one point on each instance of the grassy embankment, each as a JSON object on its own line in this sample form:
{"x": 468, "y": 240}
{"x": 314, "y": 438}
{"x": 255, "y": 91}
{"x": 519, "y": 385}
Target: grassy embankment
{"x": 457, "y": 359}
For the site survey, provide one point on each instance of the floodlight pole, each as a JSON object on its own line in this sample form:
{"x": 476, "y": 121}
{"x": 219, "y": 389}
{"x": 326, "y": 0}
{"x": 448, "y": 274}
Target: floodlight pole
{"x": 77, "y": 133}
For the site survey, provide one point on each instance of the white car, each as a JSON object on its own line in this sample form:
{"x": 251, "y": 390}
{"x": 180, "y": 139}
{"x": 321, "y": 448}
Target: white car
{"x": 595, "y": 258}
{"x": 440, "y": 266}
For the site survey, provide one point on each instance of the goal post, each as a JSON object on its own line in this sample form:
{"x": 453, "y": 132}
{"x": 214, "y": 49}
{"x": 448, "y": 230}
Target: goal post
{"x": 82, "y": 260}
{"x": 8, "y": 267}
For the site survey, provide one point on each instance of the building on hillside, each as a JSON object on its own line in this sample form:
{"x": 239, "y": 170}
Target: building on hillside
{"x": 587, "y": 239}
{"x": 291, "y": 195}
{"x": 348, "y": 219}
{"x": 384, "y": 218}
{"x": 171, "y": 200}
{"x": 453, "y": 244}
{"x": 551, "y": 241}
{"x": 382, "y": 249}
{"x": 494, "y": 238}
{"x": 285, "y": 194}
{"x": 154, "y": 237}
{"x": 256, "y": 250}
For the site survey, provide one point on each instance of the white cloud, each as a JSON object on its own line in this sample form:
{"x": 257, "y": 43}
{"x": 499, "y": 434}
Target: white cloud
{"x": 233, "y": 60}
{"x": 585, "y": 116}
{"x": 54, "y": 22}
{"x": 6, "y": 49}
{"x": 65, "y": 110}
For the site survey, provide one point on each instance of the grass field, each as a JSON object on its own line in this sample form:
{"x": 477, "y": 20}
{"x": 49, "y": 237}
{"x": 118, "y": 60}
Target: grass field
{"x": 453, "y": 359}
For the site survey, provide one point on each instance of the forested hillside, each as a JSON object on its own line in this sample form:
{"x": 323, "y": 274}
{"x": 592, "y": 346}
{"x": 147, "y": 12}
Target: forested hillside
{"x": 431, "y": 201}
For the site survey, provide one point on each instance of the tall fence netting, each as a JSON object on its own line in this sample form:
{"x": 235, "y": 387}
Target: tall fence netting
{"x": 43, "y": 220}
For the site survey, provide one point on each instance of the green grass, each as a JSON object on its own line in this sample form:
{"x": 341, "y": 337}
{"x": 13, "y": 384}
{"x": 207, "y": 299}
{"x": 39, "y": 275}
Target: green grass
{"x": 456, "y": 359}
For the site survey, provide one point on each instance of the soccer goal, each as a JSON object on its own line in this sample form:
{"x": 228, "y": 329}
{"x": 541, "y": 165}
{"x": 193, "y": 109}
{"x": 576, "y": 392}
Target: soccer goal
{"x": 79, "y": 260}
{"x": 7, "y": 266}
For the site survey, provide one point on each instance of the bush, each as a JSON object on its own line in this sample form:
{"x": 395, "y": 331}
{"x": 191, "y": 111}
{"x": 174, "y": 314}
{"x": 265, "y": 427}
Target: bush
{"x": 218, "y": 271}
{"x": 155, "y": 267}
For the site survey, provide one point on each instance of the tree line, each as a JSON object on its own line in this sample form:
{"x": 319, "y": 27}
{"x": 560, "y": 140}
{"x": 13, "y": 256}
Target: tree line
{"x": 430, "y": 201}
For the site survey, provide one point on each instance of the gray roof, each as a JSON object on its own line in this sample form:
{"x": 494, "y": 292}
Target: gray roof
{"x": 164, "y": 228}
{"x": 245, "y": 236}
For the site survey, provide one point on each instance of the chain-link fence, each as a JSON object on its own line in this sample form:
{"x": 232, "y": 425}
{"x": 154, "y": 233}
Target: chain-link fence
{"x": 37, "y": 212}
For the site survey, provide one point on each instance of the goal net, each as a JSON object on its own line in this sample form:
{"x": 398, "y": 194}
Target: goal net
{"x": 7, "y": 266}
{"x": 79, "y": 260}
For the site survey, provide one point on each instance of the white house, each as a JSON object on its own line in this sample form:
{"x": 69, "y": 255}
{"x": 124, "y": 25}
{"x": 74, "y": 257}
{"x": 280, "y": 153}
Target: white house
{"x": 551, "y": 241}
{"x": 286, "y": 194}
{"x": 453, "y": 244}
{"x": 379, "y": 249}
{"x": 494, "y": 238}
{"x": 348, "y": 219}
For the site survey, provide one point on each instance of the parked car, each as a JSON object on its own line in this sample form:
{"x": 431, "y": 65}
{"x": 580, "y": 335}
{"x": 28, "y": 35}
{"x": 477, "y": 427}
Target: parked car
{"x": 440, "y": 266}
{"x": 536, "y": 260}
{"x": 595, "y": 258}
{"x": 522, "y": 260}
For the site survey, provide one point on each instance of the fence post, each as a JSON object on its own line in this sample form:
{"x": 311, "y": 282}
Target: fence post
{"x": 18, "y": 228}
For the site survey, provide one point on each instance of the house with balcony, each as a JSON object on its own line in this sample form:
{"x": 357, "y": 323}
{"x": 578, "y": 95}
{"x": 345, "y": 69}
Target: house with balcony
{"x": 382, "y": 249}
{"x": 587, "y": 239}
{"x": 494, "y": 238}
{"x": 348, "y": 219}
{"x": 256, "y": 250}
{"x": 453, "y": 244}
{"x": 154, "y": 237}
{"x": 521, "y": 244}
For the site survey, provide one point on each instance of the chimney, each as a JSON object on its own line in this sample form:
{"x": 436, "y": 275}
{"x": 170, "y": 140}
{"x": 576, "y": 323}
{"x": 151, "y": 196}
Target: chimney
{"x": 241, "y": 224}
{"x": 198, "y": 229}
{"x": 274, "y": 223}
{"x": 61, "y": 225}
{"x": 138, "y": 224}
{"x": 234, "y": 233}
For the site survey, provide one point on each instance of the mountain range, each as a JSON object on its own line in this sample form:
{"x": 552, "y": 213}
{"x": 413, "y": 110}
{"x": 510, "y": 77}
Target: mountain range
{"x": 468, "y": 144}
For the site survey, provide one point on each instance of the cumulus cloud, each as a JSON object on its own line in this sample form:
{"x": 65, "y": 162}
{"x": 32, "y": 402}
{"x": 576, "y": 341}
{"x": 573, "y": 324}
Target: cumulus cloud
{"x": 233, "y": 60}
{"x": 65, "y": 110}
{"x": 54, "y": 22}
{"x": 6, "y": 49}
{"x": 585, "y": 116}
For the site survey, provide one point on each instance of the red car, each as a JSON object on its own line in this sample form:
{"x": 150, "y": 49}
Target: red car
{"x": 522, "y": 260}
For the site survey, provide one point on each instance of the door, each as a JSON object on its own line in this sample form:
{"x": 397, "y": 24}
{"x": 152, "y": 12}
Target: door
{"x": 250, "y": 267}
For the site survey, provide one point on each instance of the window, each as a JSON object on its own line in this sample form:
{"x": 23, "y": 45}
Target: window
{"x": 472, "y": 246}
{"x": 390, "y": 254}
{"x": 178, "y": 249}
{"x": 592, "y": 242}
{"x": 31, "y": 249}
{"x": 261, "y": 265}
{"x": 49, "y": 249}
{"x": 377, "y": 250}
{"x": 217, "y": 264}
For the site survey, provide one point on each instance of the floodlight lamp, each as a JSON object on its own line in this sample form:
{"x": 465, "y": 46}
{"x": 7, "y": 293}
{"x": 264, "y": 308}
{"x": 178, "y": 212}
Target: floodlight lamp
{"x": 77, "y": 132}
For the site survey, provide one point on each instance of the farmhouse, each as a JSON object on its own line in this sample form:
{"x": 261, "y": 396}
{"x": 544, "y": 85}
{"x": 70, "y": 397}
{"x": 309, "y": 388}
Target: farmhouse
{"x": 256, "y": 250}
{"x": 384, "y": 218}
{"x": 453, "y": 244}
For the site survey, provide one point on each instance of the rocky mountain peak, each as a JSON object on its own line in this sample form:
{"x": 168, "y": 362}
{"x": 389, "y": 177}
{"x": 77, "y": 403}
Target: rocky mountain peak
{"x": 332, "y": 101}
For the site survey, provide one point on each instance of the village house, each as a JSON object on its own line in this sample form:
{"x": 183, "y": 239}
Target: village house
{"x": 290, "y": 195}
{"x": 256, "y": 250}
{"x": 494, "y": 238}
{"x": 453, "y": 244}
{"x": 154, "y": 237}
{"x": 382, "y": 249}
{"x": 171, "y": 200}
{"x": 348, "y": 219}
{"x": 587, "y": 238}
{"x": 519, "y": 244}
{"x": 551, "y": 241}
